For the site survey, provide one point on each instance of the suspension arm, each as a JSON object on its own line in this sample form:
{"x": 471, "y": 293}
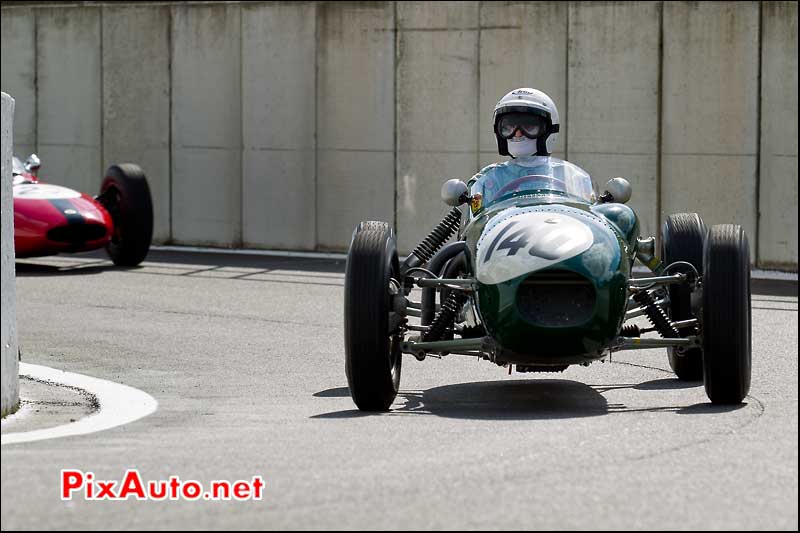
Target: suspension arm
{"x": 453, "y": 283}
{"x": 656, "y": 280}
{"x": 635, "y": 343}
{"x": 455, "y": 345}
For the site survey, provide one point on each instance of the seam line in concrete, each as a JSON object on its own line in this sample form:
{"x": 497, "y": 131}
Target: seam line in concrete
{"x": 566, "y": 85}
{"x": 395, "y": 90}
{"x": 102, "y": 143}
{"x": 759, "y": 118}
{"x": 170, "y": 57}
{"x": 316, "y": 124}
{"x": 478, "y": 93}
{"x": 240, "y": 237}
{"x": 659, "y": 122}
{"x": 36, "y": 81}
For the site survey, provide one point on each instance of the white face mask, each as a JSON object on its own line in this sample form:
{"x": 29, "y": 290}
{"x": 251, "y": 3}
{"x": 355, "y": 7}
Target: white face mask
{"x": 521, "y": 146}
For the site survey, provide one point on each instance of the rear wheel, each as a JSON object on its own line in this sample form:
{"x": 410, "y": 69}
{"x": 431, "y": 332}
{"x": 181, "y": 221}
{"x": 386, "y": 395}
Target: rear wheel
{"x": 727, "y": 350}
{"x": 683, "y": 237}
{"x": 126, "y": 196}
{"x": 372, "y": 352}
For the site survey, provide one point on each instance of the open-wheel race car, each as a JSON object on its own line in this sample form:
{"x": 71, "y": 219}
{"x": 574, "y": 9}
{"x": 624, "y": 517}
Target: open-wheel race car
{"x": 540, "y": 277}
{"x": 51, "y": 219}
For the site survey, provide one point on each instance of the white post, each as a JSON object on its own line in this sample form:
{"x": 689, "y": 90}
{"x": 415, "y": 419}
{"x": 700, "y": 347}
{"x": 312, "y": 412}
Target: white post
{"x": 8, "y": 340}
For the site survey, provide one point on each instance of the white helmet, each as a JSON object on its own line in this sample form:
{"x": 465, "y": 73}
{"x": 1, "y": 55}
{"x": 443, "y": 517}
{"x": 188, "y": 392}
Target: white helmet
{"x": 534, "y": 114}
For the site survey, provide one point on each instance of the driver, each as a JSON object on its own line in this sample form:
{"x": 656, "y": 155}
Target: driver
{"x": 526, "y": 126}
{"x": 19, "y": 173}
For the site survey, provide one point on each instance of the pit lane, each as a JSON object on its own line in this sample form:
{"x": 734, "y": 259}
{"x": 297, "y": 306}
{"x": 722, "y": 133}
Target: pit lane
{"x": 244, "y": 356}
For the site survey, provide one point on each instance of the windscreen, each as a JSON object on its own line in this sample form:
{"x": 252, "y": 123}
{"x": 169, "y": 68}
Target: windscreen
{"x": 16, "y": 166}
{"x": 535, "y": 175}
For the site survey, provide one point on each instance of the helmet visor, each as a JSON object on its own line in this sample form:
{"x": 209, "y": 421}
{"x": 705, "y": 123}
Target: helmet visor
{"x": 531, "y": 126}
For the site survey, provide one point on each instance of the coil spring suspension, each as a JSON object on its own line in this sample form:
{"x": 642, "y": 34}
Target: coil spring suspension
{"x": 631, "y": 330}
{"x": 656, "y": 315}
{"x": 435, "y": 239}
{"x": 445, "y": 317}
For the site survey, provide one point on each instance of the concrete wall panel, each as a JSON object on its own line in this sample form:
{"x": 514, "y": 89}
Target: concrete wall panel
{"x": 613, "y": 97}
{"x": 709, "y": 118}
{"x": 206, "y": 125}
{"x": 355, "y": 119}
{"x": 136, "y": 106}
{"x": 18, "y": 74}
{"x": 777, "y": 239}
{"x": 9, "y": 362}
{"x": 278, "y": 76}
{"x": 510, "y": 58}
{"x": 70, "y": 97}
{"x": 437, "y": 102}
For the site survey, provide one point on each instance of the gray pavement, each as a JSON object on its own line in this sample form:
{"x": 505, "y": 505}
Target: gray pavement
{"x": 244, "y": 355}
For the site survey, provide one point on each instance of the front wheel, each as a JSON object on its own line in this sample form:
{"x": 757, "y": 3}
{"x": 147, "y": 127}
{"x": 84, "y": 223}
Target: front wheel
{"x": 372, "y": 352}
{"x": 126, "y": 196}
{"x": 727, "y": 357}
{"x": 683, "y": 238}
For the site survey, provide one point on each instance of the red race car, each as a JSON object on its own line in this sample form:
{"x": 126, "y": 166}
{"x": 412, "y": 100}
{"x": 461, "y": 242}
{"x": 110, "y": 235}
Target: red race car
{"x": 50, "y": 219}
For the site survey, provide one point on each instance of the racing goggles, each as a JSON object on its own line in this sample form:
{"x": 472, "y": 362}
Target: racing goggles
{"x": 531, "y": 126}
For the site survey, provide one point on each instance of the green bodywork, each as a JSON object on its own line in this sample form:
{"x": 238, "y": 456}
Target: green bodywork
{"x": 606, "y": 264}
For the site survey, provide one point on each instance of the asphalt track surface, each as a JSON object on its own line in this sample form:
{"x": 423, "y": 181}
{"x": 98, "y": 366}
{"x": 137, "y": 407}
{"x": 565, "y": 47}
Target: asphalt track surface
{"x": 245, "y": 357}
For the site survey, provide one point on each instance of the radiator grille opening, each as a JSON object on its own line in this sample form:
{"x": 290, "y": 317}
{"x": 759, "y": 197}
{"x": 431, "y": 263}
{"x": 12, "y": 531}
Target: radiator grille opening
{"x": 556, "y": 298}
{"x": 77, "y": 233}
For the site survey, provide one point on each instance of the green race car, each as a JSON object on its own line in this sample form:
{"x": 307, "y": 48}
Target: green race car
{"x": 541, "y": 277}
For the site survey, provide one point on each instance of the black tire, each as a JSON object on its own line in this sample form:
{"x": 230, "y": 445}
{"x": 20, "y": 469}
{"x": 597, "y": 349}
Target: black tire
{"x": 683, "y": 235}
{"x": 727, "y": 322}
{"x": 372, "y": 356}
{"x": 372, "y": 225}
{"x": 126, "y": 196}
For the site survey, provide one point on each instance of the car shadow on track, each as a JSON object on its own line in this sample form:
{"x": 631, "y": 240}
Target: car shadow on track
{"x": 338, "y": 392}
{"x": 36, "y": 270}
{"x": 491, "y": 400}
{"x": 546, "y": 399}
{"x": 216, "y": 266}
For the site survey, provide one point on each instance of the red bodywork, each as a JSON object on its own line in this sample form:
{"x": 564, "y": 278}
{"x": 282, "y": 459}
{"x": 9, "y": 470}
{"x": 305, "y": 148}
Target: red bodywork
{"x": 50, "y": 219}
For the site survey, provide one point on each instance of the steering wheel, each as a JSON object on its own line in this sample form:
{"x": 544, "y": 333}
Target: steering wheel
{"x": 513, "y": 184}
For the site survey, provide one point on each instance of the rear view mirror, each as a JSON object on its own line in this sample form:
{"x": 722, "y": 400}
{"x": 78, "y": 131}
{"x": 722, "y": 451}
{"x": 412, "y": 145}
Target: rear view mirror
{"x": 617, "y": 190}
{"x": 454, "y": 192}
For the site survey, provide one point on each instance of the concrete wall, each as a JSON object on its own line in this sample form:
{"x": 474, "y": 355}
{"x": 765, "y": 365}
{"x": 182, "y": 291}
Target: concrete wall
{"x": 279, "y": 158}
{"x": 9, "y": 363}
{"x": 282, "y": 124}
{"x": 710, "y": 111}
{"x": 207, "y": 124}
{"x": 355, "y": 118}
{"x": 18, "y": 74}
{"x": 136, "y": 99}
{"x": 437, "y": 104}
{"x": 613, "y": 97}
{"x": 69, "y": 96}
{"x": 777, "y": 232}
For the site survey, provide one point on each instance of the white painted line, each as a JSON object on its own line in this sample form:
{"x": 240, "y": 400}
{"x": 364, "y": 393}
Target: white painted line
{"x": 755, "y": 274}
{"x": 119, "y": 404}
{"x": 23, "y": 412}
{"x": 773, "y": 274}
